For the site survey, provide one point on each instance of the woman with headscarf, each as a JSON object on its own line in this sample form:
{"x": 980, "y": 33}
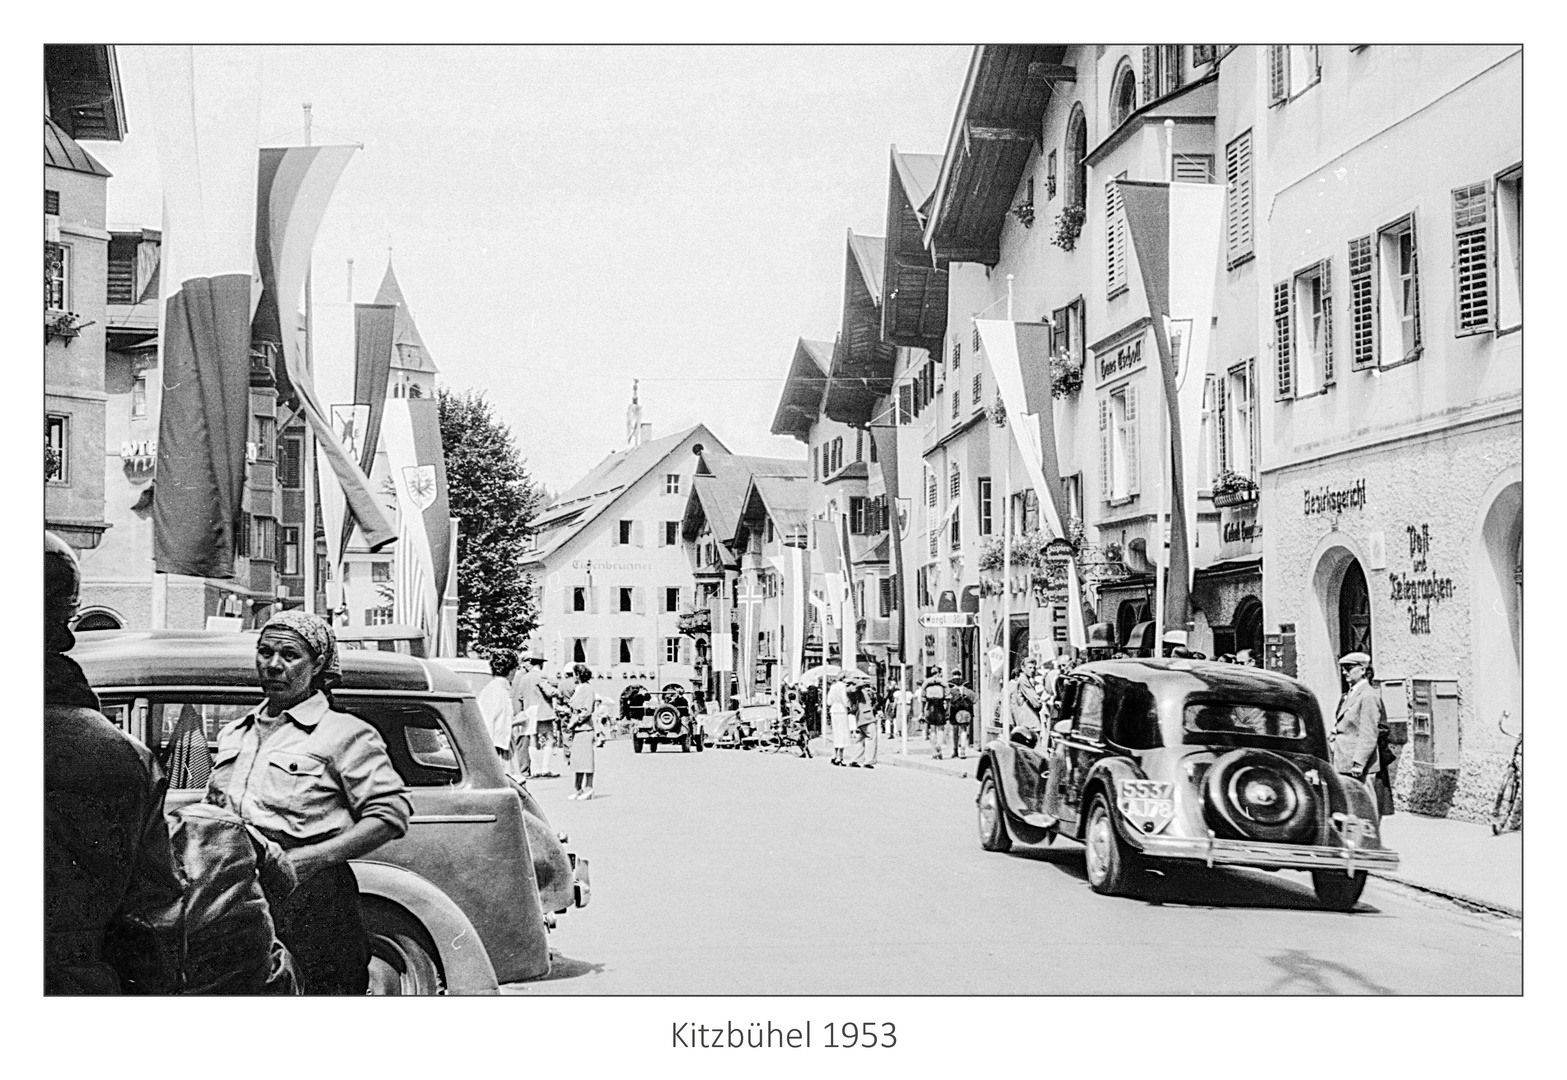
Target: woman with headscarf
{"x": 583, "y": 728}
{"x": 318, "y": 782}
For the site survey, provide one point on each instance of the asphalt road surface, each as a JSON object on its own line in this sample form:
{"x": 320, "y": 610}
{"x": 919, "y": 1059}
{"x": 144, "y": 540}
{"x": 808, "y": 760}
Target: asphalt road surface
{"x": 739, "y": 872}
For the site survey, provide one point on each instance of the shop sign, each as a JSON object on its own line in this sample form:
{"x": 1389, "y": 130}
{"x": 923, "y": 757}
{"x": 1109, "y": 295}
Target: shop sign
{"x": 1331, "y": 500}
{"x": 1418, "y": 590}
{"x": 1239, "y": 532}
{"x": 948, "y": 620}
{"x": 1124, "y": 358}
{"x": 138, "y": 455}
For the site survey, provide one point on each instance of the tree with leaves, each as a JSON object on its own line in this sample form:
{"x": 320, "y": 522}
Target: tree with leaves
{"x": 490, "y": 490}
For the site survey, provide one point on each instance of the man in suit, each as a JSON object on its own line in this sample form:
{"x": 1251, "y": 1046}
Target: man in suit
{"x": 1354, "y": 739}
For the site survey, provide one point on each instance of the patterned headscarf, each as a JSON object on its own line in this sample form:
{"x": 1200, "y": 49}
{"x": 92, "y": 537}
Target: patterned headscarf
{"x": 317, "y": 635}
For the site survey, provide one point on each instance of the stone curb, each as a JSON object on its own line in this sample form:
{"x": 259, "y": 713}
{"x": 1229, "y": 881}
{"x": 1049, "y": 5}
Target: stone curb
{"x": 912, "y": 763}
{"x": 1488, "y": 906}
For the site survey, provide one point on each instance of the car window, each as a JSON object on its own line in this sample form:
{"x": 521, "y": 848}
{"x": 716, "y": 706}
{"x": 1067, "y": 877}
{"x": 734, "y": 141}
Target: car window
{"x": 1234, "y": 719}
{"x": 1090, "y": 711}
{"x": 416, "y": 740}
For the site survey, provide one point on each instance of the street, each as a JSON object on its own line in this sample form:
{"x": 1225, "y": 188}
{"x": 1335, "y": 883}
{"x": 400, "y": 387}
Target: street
{"x": 738, "y": 872}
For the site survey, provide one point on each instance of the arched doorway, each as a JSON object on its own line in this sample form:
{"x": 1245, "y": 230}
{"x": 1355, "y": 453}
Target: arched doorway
{"x": 1354, "y": 611}
{"x": 98, "y": 620}
{"x": 1248, "y": 626}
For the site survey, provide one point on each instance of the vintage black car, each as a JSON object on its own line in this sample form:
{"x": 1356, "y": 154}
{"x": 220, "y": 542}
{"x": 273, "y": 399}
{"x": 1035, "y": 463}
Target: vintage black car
{"x": 667, "y": 718}
{"x": 1185, "y": 759}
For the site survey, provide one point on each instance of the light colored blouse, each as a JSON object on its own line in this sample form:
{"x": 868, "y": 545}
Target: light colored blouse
{"x": 316, "y": 774}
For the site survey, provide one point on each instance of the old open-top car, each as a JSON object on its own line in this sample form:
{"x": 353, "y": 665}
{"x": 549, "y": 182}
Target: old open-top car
{"x": 460, "y": 903}
{"x": 1190, "y": 760}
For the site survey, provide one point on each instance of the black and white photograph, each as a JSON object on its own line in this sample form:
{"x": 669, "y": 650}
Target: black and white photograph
{"x": 859, "y": 527}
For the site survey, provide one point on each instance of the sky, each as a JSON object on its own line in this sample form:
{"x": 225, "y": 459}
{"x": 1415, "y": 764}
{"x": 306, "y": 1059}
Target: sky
{"x": 564, "y": 220}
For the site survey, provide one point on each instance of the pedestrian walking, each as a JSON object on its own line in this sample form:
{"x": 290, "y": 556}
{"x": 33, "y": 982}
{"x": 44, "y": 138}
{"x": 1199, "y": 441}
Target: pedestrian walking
{"x": 497, "y": 705}
{"x": 1025, "y": 699}
{"x": 1354, "y": 739}
{"x": 583, "y": 727}
{"x": 961, "y": 704}
{"x": 934, "y": 695}
{"x": 112, "y": 903}
{"x": 317, "y": 782}
{"x": 535, "y": 695}
{"x": 865, "y": 720}
{"x": 838, "y": 716}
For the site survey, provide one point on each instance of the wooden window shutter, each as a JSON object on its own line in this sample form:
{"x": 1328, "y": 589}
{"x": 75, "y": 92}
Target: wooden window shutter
{"x": 1278, "y": 73}
{"x": 638, "y": 599}
{"x": 637, "y": 654}
{"x": 1284, "y": 386}
{"x": 1327, "y": 321}
{"x": 1472, "y": 251}
{"x": 1150, "y": 73}
{"x": 1237, "y": 197}
{"x": 1133, "y": 458}
{"x": 636, "y": 533}
{"x": 1115, "y": 241}
{"x": 905, "y": 403}
{"x": 1221, "y": 393}
{"x": 1362, "y": 306}
{"x": 1104, "y": 448}
{"x": 1414, "y": 275}
{"x": 1254, "y": 429}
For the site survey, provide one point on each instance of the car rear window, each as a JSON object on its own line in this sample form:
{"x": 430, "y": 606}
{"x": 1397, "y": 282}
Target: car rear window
{"x": 1233, "y": 719}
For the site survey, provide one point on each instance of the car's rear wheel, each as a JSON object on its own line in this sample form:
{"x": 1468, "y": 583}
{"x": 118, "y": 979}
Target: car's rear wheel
{"x": 402, "y": 955}
{"x": 1336, "y": 890}
{"x": 697, "y": 739}
{"x": 1112, "y": 864}
{"x": 993, "y": 835}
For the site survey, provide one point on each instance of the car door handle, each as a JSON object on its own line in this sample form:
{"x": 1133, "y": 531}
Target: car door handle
{"x": 449, "y": 819}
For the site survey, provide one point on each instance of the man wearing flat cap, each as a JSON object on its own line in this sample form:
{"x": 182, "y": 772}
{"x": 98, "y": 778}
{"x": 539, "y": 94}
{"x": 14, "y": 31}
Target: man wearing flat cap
{"x": 1354, "y": 739}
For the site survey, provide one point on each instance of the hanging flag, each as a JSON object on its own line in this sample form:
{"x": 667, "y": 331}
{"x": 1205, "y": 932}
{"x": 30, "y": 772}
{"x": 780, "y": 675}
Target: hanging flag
{"x": 189, "y": 763}
{"x": 1177, "y": 234}
{"x": 850, "y": 608}
{"x": 411, "y": 431}
{"x": 293, "y": 186}
{"x": 205, "y": 108}
{"x": 332, "y": 351}
{"x": 885, "y": 437}
{"x": 1019, "y": 355}
{"x": 446, "y": 644}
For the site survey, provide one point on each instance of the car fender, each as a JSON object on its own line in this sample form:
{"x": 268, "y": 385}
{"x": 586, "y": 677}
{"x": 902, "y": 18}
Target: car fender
{"x": 1000, "y": 757}
{"x": 1103, "y": 775}
{"x": 463, "y": 957}
{"x": 1361, "y": 803}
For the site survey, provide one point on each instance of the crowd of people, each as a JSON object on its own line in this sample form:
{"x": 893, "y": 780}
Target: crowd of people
{"x": 530, "y": 716}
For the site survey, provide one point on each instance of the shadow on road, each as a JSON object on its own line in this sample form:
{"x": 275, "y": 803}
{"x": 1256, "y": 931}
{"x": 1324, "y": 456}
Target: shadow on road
{"x": 1193, "y": 886}
{"x": 1307, "y": 974}
{"x": 564, "y": 967}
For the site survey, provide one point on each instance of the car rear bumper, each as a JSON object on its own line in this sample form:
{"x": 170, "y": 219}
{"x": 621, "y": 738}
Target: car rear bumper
{"x": 1216, "y": 852}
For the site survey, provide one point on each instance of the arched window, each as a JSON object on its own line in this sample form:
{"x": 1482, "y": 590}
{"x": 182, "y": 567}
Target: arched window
{"x": 1076, "y": 156}
{"x": 1123, "y": 94}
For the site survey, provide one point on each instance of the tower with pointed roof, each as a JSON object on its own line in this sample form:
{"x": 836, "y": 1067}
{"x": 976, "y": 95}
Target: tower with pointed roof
{"x": 413, "y": 372}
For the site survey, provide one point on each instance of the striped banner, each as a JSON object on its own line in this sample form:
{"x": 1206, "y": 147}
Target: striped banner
{"x": 411, "y": 432}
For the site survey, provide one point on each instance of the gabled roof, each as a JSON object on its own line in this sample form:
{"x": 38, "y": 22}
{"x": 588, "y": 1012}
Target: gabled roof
{"x": 862, "y": 364}
{"x": 993, "y": 135}
{"x": 719, "y": 491}
{"x": 63, "y": 152}
{"x": 877, "y": 552}
{"x": 405, "y": 334}
{"x": 914, "y": 291}
{"x": 785, "y": 499}
{"x": 800, "y": 402}
{"x": 602, "y": 487}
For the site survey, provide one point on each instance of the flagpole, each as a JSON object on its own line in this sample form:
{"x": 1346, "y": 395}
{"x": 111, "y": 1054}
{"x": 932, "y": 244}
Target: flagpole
{"x": 312, "y": 475}
{"x": 1006, "y": 560}
{"x": 1160, "y": 587}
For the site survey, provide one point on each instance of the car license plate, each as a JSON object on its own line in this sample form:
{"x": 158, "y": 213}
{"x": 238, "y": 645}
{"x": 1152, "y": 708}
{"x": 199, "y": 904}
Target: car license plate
{"x": 1148, "y": 804}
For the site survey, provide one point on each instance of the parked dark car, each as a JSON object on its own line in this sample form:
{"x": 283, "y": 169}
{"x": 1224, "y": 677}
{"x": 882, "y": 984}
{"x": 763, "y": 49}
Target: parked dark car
{"x": 667, "y": 718}
{"x": 1189, "y": 760}
{"x": 478, "y": 864}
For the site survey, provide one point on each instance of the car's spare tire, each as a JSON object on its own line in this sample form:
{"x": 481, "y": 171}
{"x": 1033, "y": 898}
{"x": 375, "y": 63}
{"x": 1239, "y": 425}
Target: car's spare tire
{"x": 666, "y": 719}
{"x": 1259, "y": 795}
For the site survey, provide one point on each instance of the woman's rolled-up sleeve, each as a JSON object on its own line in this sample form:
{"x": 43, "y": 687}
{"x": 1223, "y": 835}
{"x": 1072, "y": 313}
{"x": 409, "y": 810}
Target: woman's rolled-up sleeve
{"x": 373, "y": 787}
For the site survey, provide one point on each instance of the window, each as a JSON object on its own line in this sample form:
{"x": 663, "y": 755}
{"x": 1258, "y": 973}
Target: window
{"x": 380, "y": 570}
{"x": 671, "y": 533}
{"x": 290, "y": 474}
{"x": 1305, "y": 68}
{"x": 266, "y": 438}
{"x": 986, "y": 524}
{"x": 57, "y": 277}
{"x": 955, "y": 530}
{"x": 1161, "y": 70}
{"x": 1509, "y": 249}
{"x": 57, "y": 449}
{"x": 671, "y": 650}
{"x": 671, "y": 598}
{"x": 288, "y": 541}
{"x": 1123, "y": 95}
{"x": 626, "y": 594}
{"x": 859, "y": 518}
{"x": 1076, "y": 155}
{"x": 873, "y": 449}
{"x": 1118, "y": 457}
{"x": 1194, "y": 168}
{"x": 627, "y": 650}
{"x": 837, "y": 454}
{"x": 1235, "y": 408}
{"x": 1310, "y": 317}
{"x": 139, "y": 396}
{"x": 1115, "y": 241}
{"x": 624, "y": 531}
{"x": 1204, "y": 54}
{"x": 1278, "y": 74}
{"x": 378, "y": 616}
{"x": 122, "y": 269}
{"x": 263, "y": 538}
{"x": 905, "y": 403}
{"x": 1237, "y": 199}
{"x": 579, "y": 598}
{"x": 671, "y": 483}
{"x": 51, "y": 202}
{"x": 1067, "y": 331}
{"x": 1398, "y": 293}
{"x": 769, "y": 532}
{"x": 579, "y": 650}
{"x": 1050, "y": 175}
{"x": 1073, "y": 486}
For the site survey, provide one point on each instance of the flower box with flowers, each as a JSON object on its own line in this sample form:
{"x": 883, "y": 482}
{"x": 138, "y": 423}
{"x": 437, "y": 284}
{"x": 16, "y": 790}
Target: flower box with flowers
{"x": 1233, "y": 489}
{"x": 1066, "y": 374}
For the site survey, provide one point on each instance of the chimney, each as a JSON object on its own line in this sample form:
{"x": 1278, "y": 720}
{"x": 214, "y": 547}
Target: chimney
{"x": 644, "y": 433}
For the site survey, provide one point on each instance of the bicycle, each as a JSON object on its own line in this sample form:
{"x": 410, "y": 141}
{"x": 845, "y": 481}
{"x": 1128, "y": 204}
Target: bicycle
{"x": 1507, "y": 811}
